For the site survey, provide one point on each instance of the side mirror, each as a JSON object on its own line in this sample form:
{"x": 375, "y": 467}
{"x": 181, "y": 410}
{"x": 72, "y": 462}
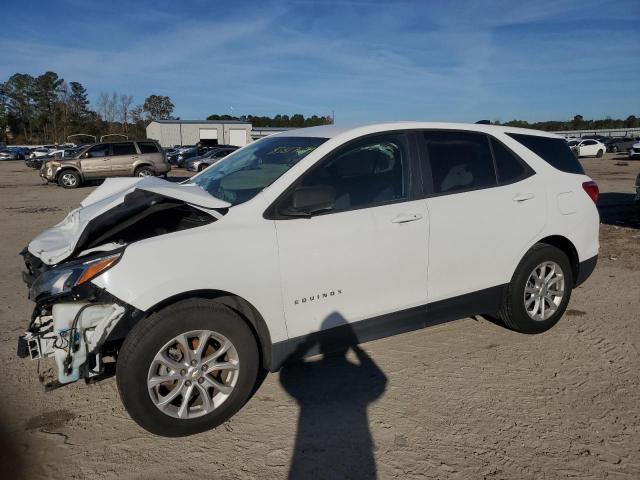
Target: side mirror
{"x": 310, "y": 200}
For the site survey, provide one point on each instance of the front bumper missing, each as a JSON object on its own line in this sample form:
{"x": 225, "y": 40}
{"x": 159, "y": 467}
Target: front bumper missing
{"x": 72, "y": 335}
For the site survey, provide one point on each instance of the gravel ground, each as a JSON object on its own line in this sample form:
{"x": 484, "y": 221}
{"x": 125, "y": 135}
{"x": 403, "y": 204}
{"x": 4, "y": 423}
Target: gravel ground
{"x": 467, "y": 399}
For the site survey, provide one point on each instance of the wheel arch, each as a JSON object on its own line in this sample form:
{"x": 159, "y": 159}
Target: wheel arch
{"x": 569, "y": 249}
{"x": 144, "y": 163}
{"x": 69, "y": 167}
{"x": 239, "y": 305}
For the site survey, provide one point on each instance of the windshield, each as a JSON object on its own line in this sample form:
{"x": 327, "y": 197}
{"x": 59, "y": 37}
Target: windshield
{"x": 243, "y": 174}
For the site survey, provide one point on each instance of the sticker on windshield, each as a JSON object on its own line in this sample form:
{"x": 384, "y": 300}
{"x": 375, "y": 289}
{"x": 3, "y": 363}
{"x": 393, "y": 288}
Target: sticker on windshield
{"x": 296, "y": 150}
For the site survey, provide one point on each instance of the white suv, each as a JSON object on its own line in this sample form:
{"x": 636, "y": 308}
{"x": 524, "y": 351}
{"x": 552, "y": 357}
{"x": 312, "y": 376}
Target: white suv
{"x": 317, "y": 236}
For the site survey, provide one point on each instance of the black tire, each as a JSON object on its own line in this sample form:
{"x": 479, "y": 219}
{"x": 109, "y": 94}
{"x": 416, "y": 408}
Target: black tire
{"x": 202, "y": 166}
{"x": 600, "y": 153}
{"x": 69, "y": 179}
{"x": 144, "y": 171}
{"x": 513, "y": 312}
{"x": 614, "y": 149}
{"x": 148, "y": 337}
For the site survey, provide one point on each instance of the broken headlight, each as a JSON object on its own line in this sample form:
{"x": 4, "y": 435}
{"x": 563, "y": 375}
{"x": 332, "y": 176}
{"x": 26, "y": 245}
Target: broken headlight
{"x": 63, "y": 279}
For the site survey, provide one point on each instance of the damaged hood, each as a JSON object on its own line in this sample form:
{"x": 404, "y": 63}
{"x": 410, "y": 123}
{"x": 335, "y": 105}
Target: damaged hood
{"x": 61, "y": 241}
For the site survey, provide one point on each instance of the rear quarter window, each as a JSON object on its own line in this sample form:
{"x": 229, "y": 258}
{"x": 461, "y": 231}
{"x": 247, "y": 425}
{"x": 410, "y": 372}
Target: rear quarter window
{"x": 554, "y": 151}
{"x": 147, "y": 147}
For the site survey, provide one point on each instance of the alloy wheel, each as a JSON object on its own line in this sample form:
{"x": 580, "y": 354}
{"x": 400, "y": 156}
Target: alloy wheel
{"x": 544, "y": 291}
{"x": 193, "y": 374}
{"x": 69, "y": 179}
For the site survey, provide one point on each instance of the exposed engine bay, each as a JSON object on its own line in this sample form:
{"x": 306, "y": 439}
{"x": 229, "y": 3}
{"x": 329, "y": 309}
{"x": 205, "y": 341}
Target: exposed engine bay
{"x": 75, "y": 322}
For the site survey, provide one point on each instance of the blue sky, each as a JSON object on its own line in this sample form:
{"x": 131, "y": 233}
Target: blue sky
{"x": 367, "y": 60}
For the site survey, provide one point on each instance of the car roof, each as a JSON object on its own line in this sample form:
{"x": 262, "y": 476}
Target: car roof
{"x": 331, "y": 131}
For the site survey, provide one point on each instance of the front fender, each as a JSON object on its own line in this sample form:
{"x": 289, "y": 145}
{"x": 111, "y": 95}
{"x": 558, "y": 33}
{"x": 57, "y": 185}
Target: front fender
{"x": 230, "y": 255}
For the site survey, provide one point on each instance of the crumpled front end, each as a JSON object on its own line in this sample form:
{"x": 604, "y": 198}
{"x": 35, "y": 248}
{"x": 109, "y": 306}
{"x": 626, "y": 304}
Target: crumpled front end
{"x": 75, "y": 322}
{"x": 72, "y": 333}
{"x": 72, "y": 319}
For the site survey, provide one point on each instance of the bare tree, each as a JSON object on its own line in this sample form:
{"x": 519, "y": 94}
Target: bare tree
{"x": 125, "y": 110}
{"x": 103, "y": 105}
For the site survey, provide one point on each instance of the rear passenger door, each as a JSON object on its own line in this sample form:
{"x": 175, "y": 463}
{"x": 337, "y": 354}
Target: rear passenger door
{"x": 123, "y": 157}
{"x": 485, "y": 209}
{"x": 96, "y": 162}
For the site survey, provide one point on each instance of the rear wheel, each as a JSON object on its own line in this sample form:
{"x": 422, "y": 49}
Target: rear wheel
{"x": 202, "y": 166}
{"x": 145, "y": 171}
{"x": 539, "y": 291}
{"x": 69, "y": 179}
{"x": 187, "y": 368}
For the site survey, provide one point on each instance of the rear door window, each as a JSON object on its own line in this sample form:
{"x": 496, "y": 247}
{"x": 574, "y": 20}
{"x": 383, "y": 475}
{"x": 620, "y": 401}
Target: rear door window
{"x": 147, "y": 147}
{"x": 124, "y": 149}
{"x": 554, "y": 151}
{"x": 459, "y": 161}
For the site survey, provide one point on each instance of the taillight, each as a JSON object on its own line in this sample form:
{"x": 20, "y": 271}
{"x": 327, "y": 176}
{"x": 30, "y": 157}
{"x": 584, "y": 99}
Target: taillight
{"x": 592, "y": 190}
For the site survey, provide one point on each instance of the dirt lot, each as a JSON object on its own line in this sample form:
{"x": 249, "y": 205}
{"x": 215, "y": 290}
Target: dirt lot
{"x": 467, "y": 399}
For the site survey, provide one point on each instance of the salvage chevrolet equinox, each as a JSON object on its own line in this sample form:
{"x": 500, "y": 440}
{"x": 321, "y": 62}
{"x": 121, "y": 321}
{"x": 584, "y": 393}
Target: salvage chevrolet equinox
{"x": 317, "y": 233}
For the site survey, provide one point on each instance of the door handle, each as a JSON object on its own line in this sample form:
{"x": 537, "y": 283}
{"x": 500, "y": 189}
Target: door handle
{"x": 523, "y": 197}
{"x": 406, "y": 218}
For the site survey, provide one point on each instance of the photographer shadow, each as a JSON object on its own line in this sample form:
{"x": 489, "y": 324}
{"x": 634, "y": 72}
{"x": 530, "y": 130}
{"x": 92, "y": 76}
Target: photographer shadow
{"x": 333, "y": 439}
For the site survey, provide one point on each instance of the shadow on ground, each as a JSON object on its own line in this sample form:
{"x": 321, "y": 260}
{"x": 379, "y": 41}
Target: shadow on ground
{"x": 619, "y": 209}
{"x": 333, "y": 439}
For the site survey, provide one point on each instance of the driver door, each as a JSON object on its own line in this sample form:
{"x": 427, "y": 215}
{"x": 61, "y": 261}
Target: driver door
{"x": 365, "y": 257}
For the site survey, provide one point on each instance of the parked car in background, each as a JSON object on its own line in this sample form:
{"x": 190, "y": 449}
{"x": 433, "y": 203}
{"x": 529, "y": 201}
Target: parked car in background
{"x": 183, "y": 155}
{"x": 634, "y": 151}
{"x": 197, "y": 164}
{"x": 637, "y": 197}
{"x": 590, "y": 148}
{"x": 620, "y": 144}
{"x": 179, "y": 151}
{"x": 7, "y": 154}
{"x": 21, "y": 151}
{"x": 318, "y": 236}
{"x": 40, "y": 152}
{"x": 138, "y": 158}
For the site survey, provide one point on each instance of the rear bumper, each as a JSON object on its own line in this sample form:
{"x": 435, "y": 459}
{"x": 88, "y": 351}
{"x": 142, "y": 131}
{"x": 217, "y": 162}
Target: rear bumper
{"x": 162, "y": 168}
{"x": 585, "y": 269}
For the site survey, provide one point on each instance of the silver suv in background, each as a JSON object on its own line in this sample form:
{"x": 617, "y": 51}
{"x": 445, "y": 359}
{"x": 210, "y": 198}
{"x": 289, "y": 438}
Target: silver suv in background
{"x": 139, "y": 158}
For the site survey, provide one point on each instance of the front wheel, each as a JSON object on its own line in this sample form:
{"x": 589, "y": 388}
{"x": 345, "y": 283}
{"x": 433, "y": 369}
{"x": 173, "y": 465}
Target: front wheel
{"x": 600, "y": 153}
{"x": 187, "y": 368}
{"x": 69, "y": 179}
{"x": 539, "y": 291}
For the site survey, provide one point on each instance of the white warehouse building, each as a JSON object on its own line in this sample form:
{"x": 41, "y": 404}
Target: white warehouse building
{"x": 190, "y": 132}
